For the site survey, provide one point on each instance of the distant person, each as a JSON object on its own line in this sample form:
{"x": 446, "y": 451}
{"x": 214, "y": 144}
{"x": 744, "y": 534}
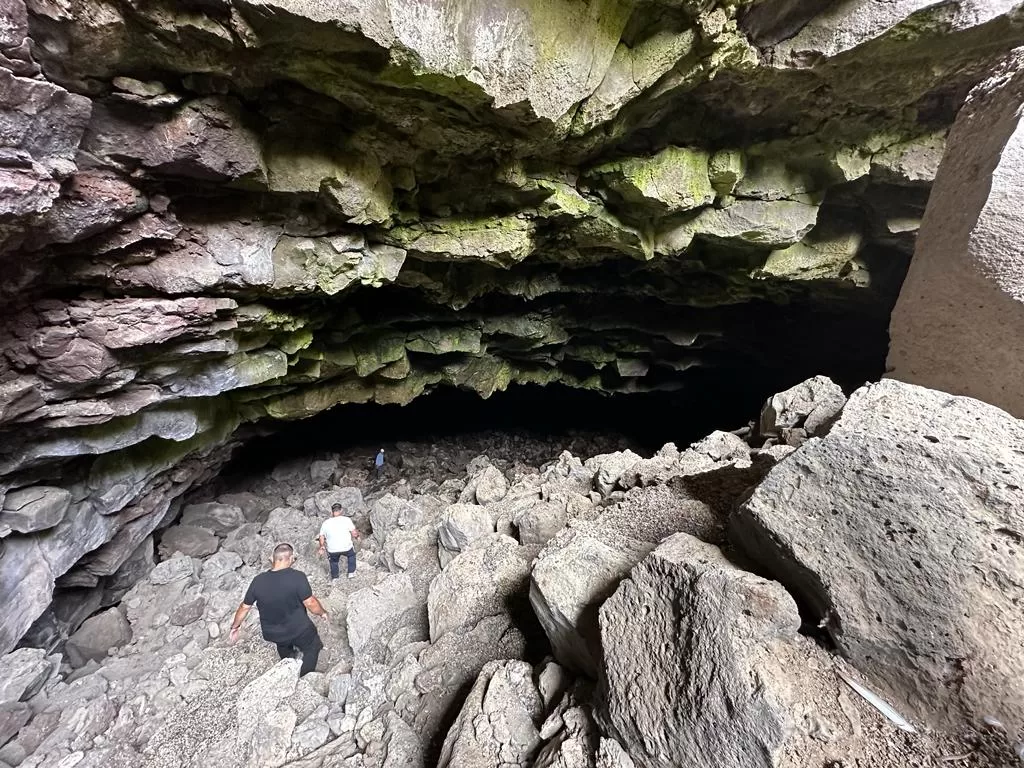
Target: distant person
{"x": 378, "y": 464}
{"x": 283, "y": 596}
{"x": 335, "y": 537}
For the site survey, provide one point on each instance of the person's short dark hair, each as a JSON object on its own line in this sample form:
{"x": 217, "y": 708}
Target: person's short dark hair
{"x": 281, "y": 551}
{"x": 336, "y": 507}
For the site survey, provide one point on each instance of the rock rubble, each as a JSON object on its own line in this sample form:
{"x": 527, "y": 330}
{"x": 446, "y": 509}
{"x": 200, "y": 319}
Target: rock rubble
{"x": 638, "y": 634}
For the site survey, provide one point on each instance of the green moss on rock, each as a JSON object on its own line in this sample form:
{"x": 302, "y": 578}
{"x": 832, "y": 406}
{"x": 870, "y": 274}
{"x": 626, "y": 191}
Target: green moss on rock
{"x": 672, "y": 181}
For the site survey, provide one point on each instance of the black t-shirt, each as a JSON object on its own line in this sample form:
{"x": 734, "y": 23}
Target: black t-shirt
{"x": 279, "y": 596}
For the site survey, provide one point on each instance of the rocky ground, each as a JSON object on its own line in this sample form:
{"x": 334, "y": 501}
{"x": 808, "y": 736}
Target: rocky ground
{"x": 508, "y": 611}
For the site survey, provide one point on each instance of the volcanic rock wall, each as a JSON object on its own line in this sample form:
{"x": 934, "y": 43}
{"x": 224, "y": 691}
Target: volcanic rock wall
{"x": 219, "y": 212}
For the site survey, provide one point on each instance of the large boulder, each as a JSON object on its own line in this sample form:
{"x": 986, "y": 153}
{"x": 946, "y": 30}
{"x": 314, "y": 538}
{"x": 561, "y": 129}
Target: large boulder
{"x": 449, "y": 667}
{"x": 390, "y": 512}
{"x": 498, "y": 723}
{"x": 959, "y": 322}
{"x": 584, "y": 563}
{"x": 265, "y": 721}
{"x": 190, "y": 540}
{"x": 461, "y": 525}
{"x": 222, "y": 519}
{"x": 24, "y": 672}
{"x": 97, "y": 635}
{"x": 378, "y": 612}
{"x": 901, "y": 533}
{"x": 481, "y": 582}
{"x": 486, "y": 486}
{"x": 703, "y": 658}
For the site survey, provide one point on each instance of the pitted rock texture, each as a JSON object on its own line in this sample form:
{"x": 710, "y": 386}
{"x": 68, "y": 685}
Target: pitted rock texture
{"x": 234, "y": 212}
{"x": 900, "y": 532}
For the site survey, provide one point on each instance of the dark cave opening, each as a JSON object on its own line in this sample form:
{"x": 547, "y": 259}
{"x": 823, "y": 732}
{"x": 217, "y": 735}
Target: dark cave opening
{"x": 645, "y": 421}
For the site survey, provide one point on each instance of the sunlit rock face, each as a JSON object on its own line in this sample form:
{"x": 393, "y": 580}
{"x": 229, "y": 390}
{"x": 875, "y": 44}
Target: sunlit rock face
{"x": 223, "y": 212}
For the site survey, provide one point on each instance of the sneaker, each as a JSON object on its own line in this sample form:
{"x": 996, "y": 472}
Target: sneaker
{"x": 351, "y": 575}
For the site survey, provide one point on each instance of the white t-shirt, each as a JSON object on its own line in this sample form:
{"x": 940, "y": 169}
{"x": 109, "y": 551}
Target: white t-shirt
{"x": 338, "y": 533}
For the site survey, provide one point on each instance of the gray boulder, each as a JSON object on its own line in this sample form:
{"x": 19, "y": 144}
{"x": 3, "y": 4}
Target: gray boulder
{"x": 97, "y": 635}
{"x": 220, "y": 563}
{"x": 486, "y": 486}
{"x": 13, "y": 715}
{"x": 187, "y": 611}
{"x": 351, "y": 500}
{"x": 690, "y": 642}
{"x": 378, "y": 612}
{"x": 390, "y": 512}
{"x": 219, "y": 518}
{"x": 190, "y": 540}
{"x": 806, "y": 410}
{"x": 478, "y": 583}
{"x": 248, "y": 544}
{"x": 497, "y": 724}
{"x": 607, "y": 468}
{"x": 541, "y": 522}
{"x": 461, "y": 525}
{"x": 254, "y": 507}
{"x": 265, "y": 722}
{"x": 175, "y": 569}
{"x": 24, "y": 672}
{"x": 322, "y": 470}
{"x": 583, "y": 564}
{"x": 449, "y": 667}
{"x": 34, "y": 509}
{"x": 901, "y": 532}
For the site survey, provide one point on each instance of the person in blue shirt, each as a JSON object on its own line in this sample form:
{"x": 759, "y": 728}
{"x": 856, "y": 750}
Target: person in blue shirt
{"x": 378, "y": 464}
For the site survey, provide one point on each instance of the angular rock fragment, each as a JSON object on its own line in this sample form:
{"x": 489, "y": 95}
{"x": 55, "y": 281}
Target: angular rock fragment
{"x": 487, "y": 580}
{"x": 34, "y": 509}
{"x": 497, "y": 723}
{"x": 806, "y": 410}
{"x": 97, "y": 635}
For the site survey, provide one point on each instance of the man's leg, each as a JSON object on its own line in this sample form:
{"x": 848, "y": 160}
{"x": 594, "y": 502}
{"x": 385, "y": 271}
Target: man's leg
{"x": 309, "y": 643}
{"x": 285, "y": 650}
{"x": 351, "y": 555}
{"x": 333, "y": 558}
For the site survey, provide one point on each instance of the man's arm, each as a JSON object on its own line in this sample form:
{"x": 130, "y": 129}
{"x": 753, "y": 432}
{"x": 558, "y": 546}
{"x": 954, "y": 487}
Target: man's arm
{"x": 323, "y": 542}
{"x": 236, "y": 623}
{"x": 314, "y": 607}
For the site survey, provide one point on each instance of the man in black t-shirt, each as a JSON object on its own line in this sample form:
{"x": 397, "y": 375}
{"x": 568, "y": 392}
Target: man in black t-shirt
{"x": 283, "y": 595}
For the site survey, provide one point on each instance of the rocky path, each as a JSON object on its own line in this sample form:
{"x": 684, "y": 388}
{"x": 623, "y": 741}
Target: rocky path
{"x": 571, "y": 614}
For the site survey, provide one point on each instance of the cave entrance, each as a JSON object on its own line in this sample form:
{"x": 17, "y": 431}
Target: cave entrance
{"x": 642, "y": 422}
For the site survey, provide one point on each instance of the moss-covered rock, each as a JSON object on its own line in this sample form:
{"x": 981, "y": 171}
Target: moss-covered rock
{"x": 498, "y": 241}
{"x": 745, "y": 223}
{"x": 818, "y": 257}
{"x": 674, "y": 180}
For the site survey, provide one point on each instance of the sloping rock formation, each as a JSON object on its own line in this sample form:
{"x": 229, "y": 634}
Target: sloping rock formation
{"x": 214, "y": 214}
{"x": 958, "y": 323}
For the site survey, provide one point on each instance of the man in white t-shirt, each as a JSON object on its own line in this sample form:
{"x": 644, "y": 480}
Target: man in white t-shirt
{"x": 336, "y": 536}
